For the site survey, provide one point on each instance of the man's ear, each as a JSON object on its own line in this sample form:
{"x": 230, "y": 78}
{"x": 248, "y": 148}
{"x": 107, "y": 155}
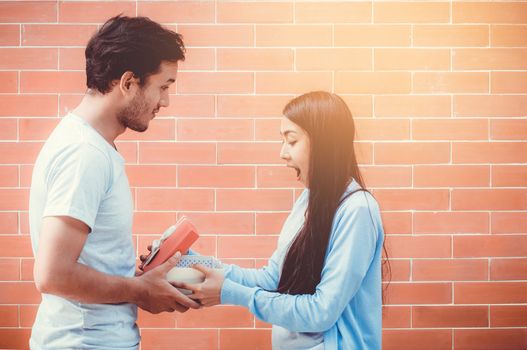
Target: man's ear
{"x": 128, "y": 83}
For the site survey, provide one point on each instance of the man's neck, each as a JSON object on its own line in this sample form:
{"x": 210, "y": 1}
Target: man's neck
{"x": 100, "y": 111}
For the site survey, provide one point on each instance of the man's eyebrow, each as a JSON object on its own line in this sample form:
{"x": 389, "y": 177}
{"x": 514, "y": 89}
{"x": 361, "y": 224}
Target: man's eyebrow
{"x": 171, "y": 80}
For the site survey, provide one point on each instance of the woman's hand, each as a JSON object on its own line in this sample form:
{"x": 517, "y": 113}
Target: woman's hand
{"x": 208, "y": 293}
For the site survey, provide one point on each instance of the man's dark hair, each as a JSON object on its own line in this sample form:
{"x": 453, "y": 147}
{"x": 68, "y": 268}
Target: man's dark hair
{"x": 135, "y": 44}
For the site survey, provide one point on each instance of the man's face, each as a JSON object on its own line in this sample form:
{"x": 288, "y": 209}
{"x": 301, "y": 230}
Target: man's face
{"x": 149, "y": 98}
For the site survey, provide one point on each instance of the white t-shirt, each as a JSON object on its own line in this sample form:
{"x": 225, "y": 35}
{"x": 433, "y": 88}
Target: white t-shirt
{"x": 80, "y": 175}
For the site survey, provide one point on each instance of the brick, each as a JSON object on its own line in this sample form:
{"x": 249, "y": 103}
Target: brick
{"x": 333, "y": 59}
{"x": 412, "y": 59}
{"x": 489, "y": 152}
{"x": 508, "y": 35}
{"x": 14, "y": 199}
{"x": 28, "y": 58}
{"x": 163, "y": 339}
{"x": 269, "y": 223}
{"x": 197, "y": 59}
{"x": 396, "y": 317}
{"x": 128, "y": 150}
{"x": 297, "y": 35}
{"x": 19, "y": 153}
{"x": 490, "y": 246}
{"x": 26, "y": 171}
{"x": 215, "y": 130}
{"x": 492, "y": 199}
{"x": 451, "y": 222}
{"x": 333, "y": 12}
{"x": 509, "y": 176}
{"x": 28, "y": 314}
{"x": 413, "y": 106}
{"x": 508, "y": 82}
{"x": 72, "y": 59}
{"x": 399, "y": 270}
{"x": 257, "y": 200}
{"x": 276, "y": 176}
{"x": 508, "y": 222}
{"x": 189, "y": 106}
{"x": 397, "y": 222}
{"x": 158, "y": 130}
{"x": 36, "y": 128}
{"x": 249, "y": 153}
{"x": 8, "y": 82}
{"x": 36, "y": 12}
{"x": 449, "y": 270}
{"x": 364, "y": 153}
{"x": 255, "y": 59}
{"x": 14, "y": 338}
{"x": 490, "y": 292}
{"x": 252, "y": 339}
{"x": 387, "y": 176}
{"x": 223, "y": 223}
{"x": 10, "y": 34}
{"x": 372, "y": 35}
{"x": 267, "y": 129}
{"x": 215, "y": 83}
{"x": 490, "y": 106}
{"x": 418, "y": 246}
{"x": 451, "y": 176}
{"x": 444, "y": 129}
{"x": 419, "y": 293}
{"x": 361, "y": 106}
{"x": 508, "y": 269}
{"x": 232, "y": 106}
{"x": 177, "y": 12}
{"x": 413, "y": 339}
{"x": 373, "y": 82}
{"x": 9, "y": 316}
{"x": 412, "y": 199}
{"x": 292, "y": 82}
{"x": 246, "y": 246}
{"x": 216, "y": 176}
{"x": 174, "y": 199}
{"x": 9, "y": 271}
{"x": 412, "y": 153}
{"x": 24, "y": 223}
{"x": 450, "y": 82}
{"x": 449, "y": 316}
{"x": 177, "y": 153}
{"x": 508, "y": 129}
{"x": 489, "y": 59}
{"x": 407, "y": 12}
{"x": 163, "y": 320}
{"x": 56, "y": 34}
{"x": 8, "y": 222}
{"x": 254, "y": 12}
{"x": 8, "y": 130}
{"x": 489, "y": 12}
{"x": 140, "y": 175}
{"x": 217, "y": 35}
{"x": 93, "y": 11}
{"x": 222, "y": 316}
{"x": 152, "y": 222}
{"x": 18, "y": 293}
{"x": 26, "y": 269}
{"x": 508, "y": 315}
{"x": 450, "y": 35}
{"x": 28, "y": 105}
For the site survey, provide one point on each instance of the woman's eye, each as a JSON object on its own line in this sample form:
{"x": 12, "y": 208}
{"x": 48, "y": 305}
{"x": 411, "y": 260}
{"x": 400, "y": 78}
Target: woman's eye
{"x": 291, "y": 143}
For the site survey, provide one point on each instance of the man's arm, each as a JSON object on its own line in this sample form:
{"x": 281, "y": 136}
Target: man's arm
{"x": 58, "y": 272}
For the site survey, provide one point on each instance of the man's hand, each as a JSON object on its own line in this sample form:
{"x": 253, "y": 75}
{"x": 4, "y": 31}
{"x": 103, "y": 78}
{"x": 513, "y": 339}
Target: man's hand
{"x": 209, "y": 292}
{"x": 158, "y": 295}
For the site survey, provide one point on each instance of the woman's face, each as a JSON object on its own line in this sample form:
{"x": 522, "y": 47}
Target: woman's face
{"x": 295, "y": 149}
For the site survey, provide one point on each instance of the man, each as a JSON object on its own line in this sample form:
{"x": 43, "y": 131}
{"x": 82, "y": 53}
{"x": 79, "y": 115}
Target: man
{"x": 81, "y": 205}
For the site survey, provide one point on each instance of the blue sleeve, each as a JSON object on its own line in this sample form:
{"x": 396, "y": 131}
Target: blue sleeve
{"x": 266, "y": 278}
{"x": 351, "y": 250}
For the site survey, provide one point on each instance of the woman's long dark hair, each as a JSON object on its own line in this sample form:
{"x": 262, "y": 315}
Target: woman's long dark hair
{"x": 328, "y": 122}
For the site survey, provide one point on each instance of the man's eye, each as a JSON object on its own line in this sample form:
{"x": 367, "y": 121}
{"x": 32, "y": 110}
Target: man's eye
{"x": 164, "y": 88}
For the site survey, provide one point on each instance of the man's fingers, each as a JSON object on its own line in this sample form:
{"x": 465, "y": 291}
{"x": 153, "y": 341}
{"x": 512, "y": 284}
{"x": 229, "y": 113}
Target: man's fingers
{"x": 170, "y": 263}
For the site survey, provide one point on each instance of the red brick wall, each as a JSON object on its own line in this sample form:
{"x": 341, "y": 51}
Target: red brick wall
{"x": 439, "y": 93}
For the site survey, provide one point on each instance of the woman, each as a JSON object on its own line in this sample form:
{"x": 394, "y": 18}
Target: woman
{"x": 322, "y": 286}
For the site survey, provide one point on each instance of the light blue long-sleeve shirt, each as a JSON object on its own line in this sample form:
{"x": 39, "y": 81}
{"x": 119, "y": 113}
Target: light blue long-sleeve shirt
{"x": 347, "y": 304}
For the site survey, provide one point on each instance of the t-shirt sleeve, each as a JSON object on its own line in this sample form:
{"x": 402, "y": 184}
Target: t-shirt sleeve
{"x": 77, "y": 181}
